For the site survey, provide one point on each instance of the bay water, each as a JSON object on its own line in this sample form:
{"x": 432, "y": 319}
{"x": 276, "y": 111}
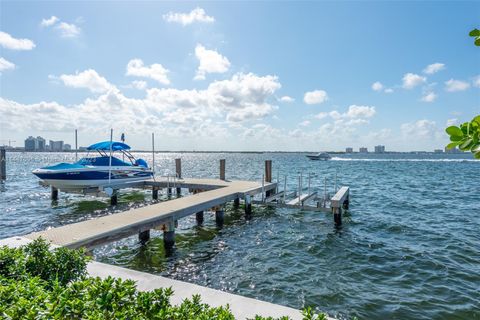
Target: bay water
{"x": 409, "y": 247}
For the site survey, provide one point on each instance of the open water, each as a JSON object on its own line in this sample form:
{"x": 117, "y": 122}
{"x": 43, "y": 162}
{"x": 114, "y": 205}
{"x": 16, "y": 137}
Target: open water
{"x": 409, "y": 247}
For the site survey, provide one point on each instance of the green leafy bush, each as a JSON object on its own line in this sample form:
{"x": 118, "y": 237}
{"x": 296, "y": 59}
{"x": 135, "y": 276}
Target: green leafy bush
{"x": 38, "y": 283}
{"x": 36, "y": 260}
{"x": 466, "y": 137}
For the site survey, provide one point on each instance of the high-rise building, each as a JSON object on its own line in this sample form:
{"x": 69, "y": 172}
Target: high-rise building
{"x": 40, "y": 144}
{"x": 438, "y": 151}
{"x": 30, "y": 144}
{"x": 67, "y": 147}
{"x": 363, "y": 150}
{"x": 56, "y": 145}
{"x": 379, "y": 149}
{"x": 348, "y": 150}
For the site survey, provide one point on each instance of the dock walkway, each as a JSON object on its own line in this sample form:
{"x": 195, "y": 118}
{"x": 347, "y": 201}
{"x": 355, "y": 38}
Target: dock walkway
{"x": 95, "y": 232}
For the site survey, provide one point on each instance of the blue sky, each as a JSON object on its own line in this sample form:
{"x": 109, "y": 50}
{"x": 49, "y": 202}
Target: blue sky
{"x": 239, "y": 75}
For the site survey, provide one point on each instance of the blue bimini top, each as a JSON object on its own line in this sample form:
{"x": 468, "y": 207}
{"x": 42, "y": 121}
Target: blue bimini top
{"x": 105, "y": 146}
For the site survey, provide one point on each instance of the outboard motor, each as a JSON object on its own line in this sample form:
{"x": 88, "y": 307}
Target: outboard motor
{"x": 141, "y": 163}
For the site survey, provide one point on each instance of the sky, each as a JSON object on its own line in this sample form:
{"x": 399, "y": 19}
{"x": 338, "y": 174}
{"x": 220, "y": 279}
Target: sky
{"x": 239, "y": 76}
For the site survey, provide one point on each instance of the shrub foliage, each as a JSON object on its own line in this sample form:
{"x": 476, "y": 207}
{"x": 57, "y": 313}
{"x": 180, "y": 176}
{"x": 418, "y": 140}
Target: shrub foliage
{"x": 38, "y": 283}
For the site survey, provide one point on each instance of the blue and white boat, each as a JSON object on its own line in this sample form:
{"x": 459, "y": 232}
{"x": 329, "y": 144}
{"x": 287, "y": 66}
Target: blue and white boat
{"x": 97, "y": 171}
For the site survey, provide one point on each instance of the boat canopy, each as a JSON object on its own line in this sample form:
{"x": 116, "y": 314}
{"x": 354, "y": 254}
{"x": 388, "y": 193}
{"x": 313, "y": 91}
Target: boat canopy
{"x": 105, "y": 146}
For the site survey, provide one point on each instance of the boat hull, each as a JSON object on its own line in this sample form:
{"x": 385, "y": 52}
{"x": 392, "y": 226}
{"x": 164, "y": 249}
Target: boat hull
{"x": 318, "y": 158}
{"x": 91, "y": 177}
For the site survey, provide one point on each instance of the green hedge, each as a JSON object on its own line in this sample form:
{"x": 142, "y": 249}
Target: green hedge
{"x": 38, "y": 283}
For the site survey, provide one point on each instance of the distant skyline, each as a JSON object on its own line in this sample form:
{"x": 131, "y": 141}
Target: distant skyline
{"x": 239, "y": 76}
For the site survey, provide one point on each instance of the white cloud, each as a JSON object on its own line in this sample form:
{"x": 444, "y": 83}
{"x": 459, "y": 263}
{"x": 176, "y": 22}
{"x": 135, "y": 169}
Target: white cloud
{"x": 305, "y": 123}
{"x": 411, "y": 80}
{"x": 243, "y": 97}
{"x": 196, "y": 15}
{"x": 421, "y": 129}
{"x": 286, "y": 99}
{"x": 434, "y": 68}
{"x": 138, "y": 84}
{"x": 9, "y": 42}
{"x": 355, "y": 111}
{"x": 380, "y": 135}
{"x": 315, "y": 97}
{"x": 6, "y": 65}
{"x": 429, "y": 97}
{"x": 476, "y": 82}
{"x": 377, "y": 86}
{"x": 210, "y": 62}
{"x": 389, "y": 90}
{"x": 88, "y": 79}
{"x": 321, "y": 115}
{"x": 49, "y": 22}
{"x": 456, "y": 85}
{"x": 169, "y": 112}
{"x": 68, "y": 30}
{"x": 155, "y": 71}
{"x": 452, "y": 122}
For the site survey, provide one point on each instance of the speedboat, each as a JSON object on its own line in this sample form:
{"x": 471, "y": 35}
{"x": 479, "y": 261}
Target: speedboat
{"x": 96, "y": 171}
{"x": 319, "y": 156}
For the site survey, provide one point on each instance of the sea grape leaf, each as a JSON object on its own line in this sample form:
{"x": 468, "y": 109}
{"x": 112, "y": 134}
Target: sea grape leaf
{"x": 454, "y": 131}
{"x": 452, "y": 145}
{"x": 474, "y": 33}
{"x": 467, "y": 144}
{"x": 456, "y": 138}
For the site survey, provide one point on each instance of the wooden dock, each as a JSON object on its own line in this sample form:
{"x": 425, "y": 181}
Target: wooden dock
{"x": 95, "y": 232}
{"x": 205, "y": 194}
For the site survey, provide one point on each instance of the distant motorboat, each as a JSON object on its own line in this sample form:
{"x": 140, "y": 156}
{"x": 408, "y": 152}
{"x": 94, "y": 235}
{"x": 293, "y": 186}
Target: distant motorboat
{"x": 319, "y": 156}
{"x": 97, "y": 171}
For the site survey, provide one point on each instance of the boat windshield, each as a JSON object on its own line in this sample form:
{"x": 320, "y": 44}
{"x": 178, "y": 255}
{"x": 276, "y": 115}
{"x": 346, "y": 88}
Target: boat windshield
{"x": 102, "y": 161}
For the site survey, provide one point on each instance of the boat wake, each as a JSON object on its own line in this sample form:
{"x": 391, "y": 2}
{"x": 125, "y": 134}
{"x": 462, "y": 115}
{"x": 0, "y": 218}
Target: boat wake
{"x": 404, "y": 160}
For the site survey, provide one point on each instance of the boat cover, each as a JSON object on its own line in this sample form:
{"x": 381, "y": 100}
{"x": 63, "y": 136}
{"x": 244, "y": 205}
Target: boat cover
{"x": 105, "y": 146}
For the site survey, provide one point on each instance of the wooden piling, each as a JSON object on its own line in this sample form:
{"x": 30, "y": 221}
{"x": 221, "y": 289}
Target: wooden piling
{"x": 248, "y": 205}
{"x": 3, "y": 164}
{"x": 337, "y": 216}
{"x": 144, "y": 236}
{"x": 222, "y": 169}
{"x": 114, "y": 199}
{"x": 219, "y": 217}
{"x": 199, "y": 217}
{"x": 54, "y": 194}
{"x": 155, "y": 193}
{"x": 178, "y": 171}
{"x": 268, "y": 175}
{"x": 169, "y": 236}
{"x": 339, "y": 200}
